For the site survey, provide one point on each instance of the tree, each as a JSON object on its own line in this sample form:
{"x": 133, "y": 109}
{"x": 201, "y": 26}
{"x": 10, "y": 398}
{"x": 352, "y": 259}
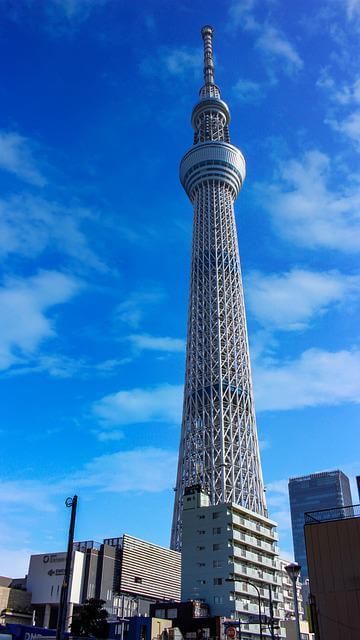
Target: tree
{"x": 91, "y": 620}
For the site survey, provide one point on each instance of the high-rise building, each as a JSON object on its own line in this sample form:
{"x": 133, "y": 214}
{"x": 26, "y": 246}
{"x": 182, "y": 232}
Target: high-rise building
{"x": 327, "y": 490}
{"x": 219, "y": 445}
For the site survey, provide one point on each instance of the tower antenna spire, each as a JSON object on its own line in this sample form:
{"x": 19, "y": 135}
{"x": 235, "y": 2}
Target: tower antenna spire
{"x": 207, "y": 35}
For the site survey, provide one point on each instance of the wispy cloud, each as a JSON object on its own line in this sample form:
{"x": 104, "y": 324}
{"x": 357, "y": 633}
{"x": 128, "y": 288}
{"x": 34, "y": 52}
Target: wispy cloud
{"x": 248, "y": 91}
{"x": 145, "y": 469}
{"x": 16, "y": 157}
{"x": 155, "y": 404}
{"x": 25, "y": 320}
{"x": 146, "y": 342}
{"x": 276, "y": 45}
{"x": 316, "y": 378}
{"x": 132, "y": 310}
{"x": 307, "y": 211}
{"x": 173, "y": 61}
{"x": 289, "y": 301}
{"x": 352, "y": 8}
{"x": 30, "y": 225}
{"x": 348, "y": 126}
{"x": 269, "y": 39}
{"x": 346, "y": 101}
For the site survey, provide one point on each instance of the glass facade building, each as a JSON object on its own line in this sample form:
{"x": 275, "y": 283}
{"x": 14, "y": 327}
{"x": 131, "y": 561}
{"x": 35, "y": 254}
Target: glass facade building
{"x": 310, "y": 493}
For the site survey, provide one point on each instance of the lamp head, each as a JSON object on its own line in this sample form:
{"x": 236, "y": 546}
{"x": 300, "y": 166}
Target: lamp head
{"x": 293, "y": 570}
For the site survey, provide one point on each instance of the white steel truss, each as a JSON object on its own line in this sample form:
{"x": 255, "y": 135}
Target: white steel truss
{"x": 219, "y": 445}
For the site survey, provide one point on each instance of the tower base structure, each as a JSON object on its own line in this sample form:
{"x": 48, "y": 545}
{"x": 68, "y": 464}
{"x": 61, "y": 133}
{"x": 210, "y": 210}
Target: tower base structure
{"x": 230, "y": 560}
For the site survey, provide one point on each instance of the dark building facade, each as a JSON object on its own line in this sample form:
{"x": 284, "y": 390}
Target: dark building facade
{"x": 311, "y": 493}
{"x": 333, "y": 551}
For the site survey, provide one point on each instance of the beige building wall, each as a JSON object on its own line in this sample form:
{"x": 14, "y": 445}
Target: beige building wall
{"x": 333, "y": 552}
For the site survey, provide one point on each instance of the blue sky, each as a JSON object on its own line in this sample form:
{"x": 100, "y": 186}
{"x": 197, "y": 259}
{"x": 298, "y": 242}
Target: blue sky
{"x": 95, "y": 233}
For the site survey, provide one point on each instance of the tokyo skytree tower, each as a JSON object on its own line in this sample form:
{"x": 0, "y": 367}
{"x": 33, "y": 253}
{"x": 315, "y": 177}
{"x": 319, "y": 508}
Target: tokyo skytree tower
{"x": 219, "y": 444}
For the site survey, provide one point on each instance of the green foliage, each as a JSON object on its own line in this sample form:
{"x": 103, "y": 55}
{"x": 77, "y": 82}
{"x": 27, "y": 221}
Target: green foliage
{"x": 91, "y": 620}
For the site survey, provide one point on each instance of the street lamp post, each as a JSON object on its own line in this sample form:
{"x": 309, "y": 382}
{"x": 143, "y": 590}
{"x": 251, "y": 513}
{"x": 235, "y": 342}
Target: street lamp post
{"x": 63, "y": 604}
{"x": 293, "y": 570}
{"x": 259, "y": 601}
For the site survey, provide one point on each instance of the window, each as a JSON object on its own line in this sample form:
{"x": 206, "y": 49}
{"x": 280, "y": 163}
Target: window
{"x": 200, "y": 548}
{"x": 200, "y": 564}
{"x": 201, "y": 517}
{"x": 218, "y": 599}
{"x": 138, "y": 580}
{"x": 217, "y": 563}
{"x": 201, "y": 532}
{"x": 160, "y": 613}
{"x": 216, "y": 547}
{"x": 172, "y": 614}
{"x": 216, "y": 515}
{"x": 217, "y": 580}
{"x": 200, "y": 581}
{"x": 216, "y": 530}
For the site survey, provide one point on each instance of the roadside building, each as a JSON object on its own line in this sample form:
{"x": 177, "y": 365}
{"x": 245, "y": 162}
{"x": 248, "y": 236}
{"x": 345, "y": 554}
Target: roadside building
{"x": 127, "y": 573}
{"x": 333, "y": 553}
{"x": 226, "y": 550}
{"x": 15, "y": 602}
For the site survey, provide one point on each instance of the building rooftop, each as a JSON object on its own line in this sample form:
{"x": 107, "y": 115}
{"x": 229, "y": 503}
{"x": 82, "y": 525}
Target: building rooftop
{"x": 338, "y": 513}
{"x": 320, "y": 474}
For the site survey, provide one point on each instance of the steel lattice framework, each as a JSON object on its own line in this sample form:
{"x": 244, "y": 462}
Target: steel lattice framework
{"x": 219, "y": 445}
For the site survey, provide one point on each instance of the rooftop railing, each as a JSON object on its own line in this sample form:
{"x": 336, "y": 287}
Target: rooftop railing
{"x": 337, "y": 513}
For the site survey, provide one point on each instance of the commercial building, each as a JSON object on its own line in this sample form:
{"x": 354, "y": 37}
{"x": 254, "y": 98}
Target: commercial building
{"x": 127, "y": 573}
{"x": 230, "y": 560}
{"x": 310, "y": 493}
{"x": 332, "y": 539}
{"x": 44, "y": 580}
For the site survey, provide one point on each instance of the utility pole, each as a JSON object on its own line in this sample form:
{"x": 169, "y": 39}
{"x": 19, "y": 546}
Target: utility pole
{"x": 63, "y": 604}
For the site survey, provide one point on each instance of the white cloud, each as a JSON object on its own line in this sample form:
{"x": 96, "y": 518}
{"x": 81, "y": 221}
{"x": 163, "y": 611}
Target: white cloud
{"x": 306, "y": 211}
{"x": 27, "y": 493}
{"x": 348, "y": 126}
{"x": 290, "y": 300}
{"x": 16, "y": 157}
{"x": 148, "y": 469}
{"x": 146, "y": 342}
{"x": 316, "y": 378}
{"x": 248, "y": 91}
{"x": 25, "y": 306}
{"x": 275, "y": 44}
{"x": 29, "y": 226}
{"x": 145, "y": 469}
{"x": 176, "y": 61}
{"x": 155, "y": 404}
{"x": 269, "y": 39}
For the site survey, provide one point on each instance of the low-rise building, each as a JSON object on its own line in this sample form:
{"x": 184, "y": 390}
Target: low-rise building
{"x": 332, "y": 539}
{"x": 15, "y": 602}
{"x": 127, "y": 573}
